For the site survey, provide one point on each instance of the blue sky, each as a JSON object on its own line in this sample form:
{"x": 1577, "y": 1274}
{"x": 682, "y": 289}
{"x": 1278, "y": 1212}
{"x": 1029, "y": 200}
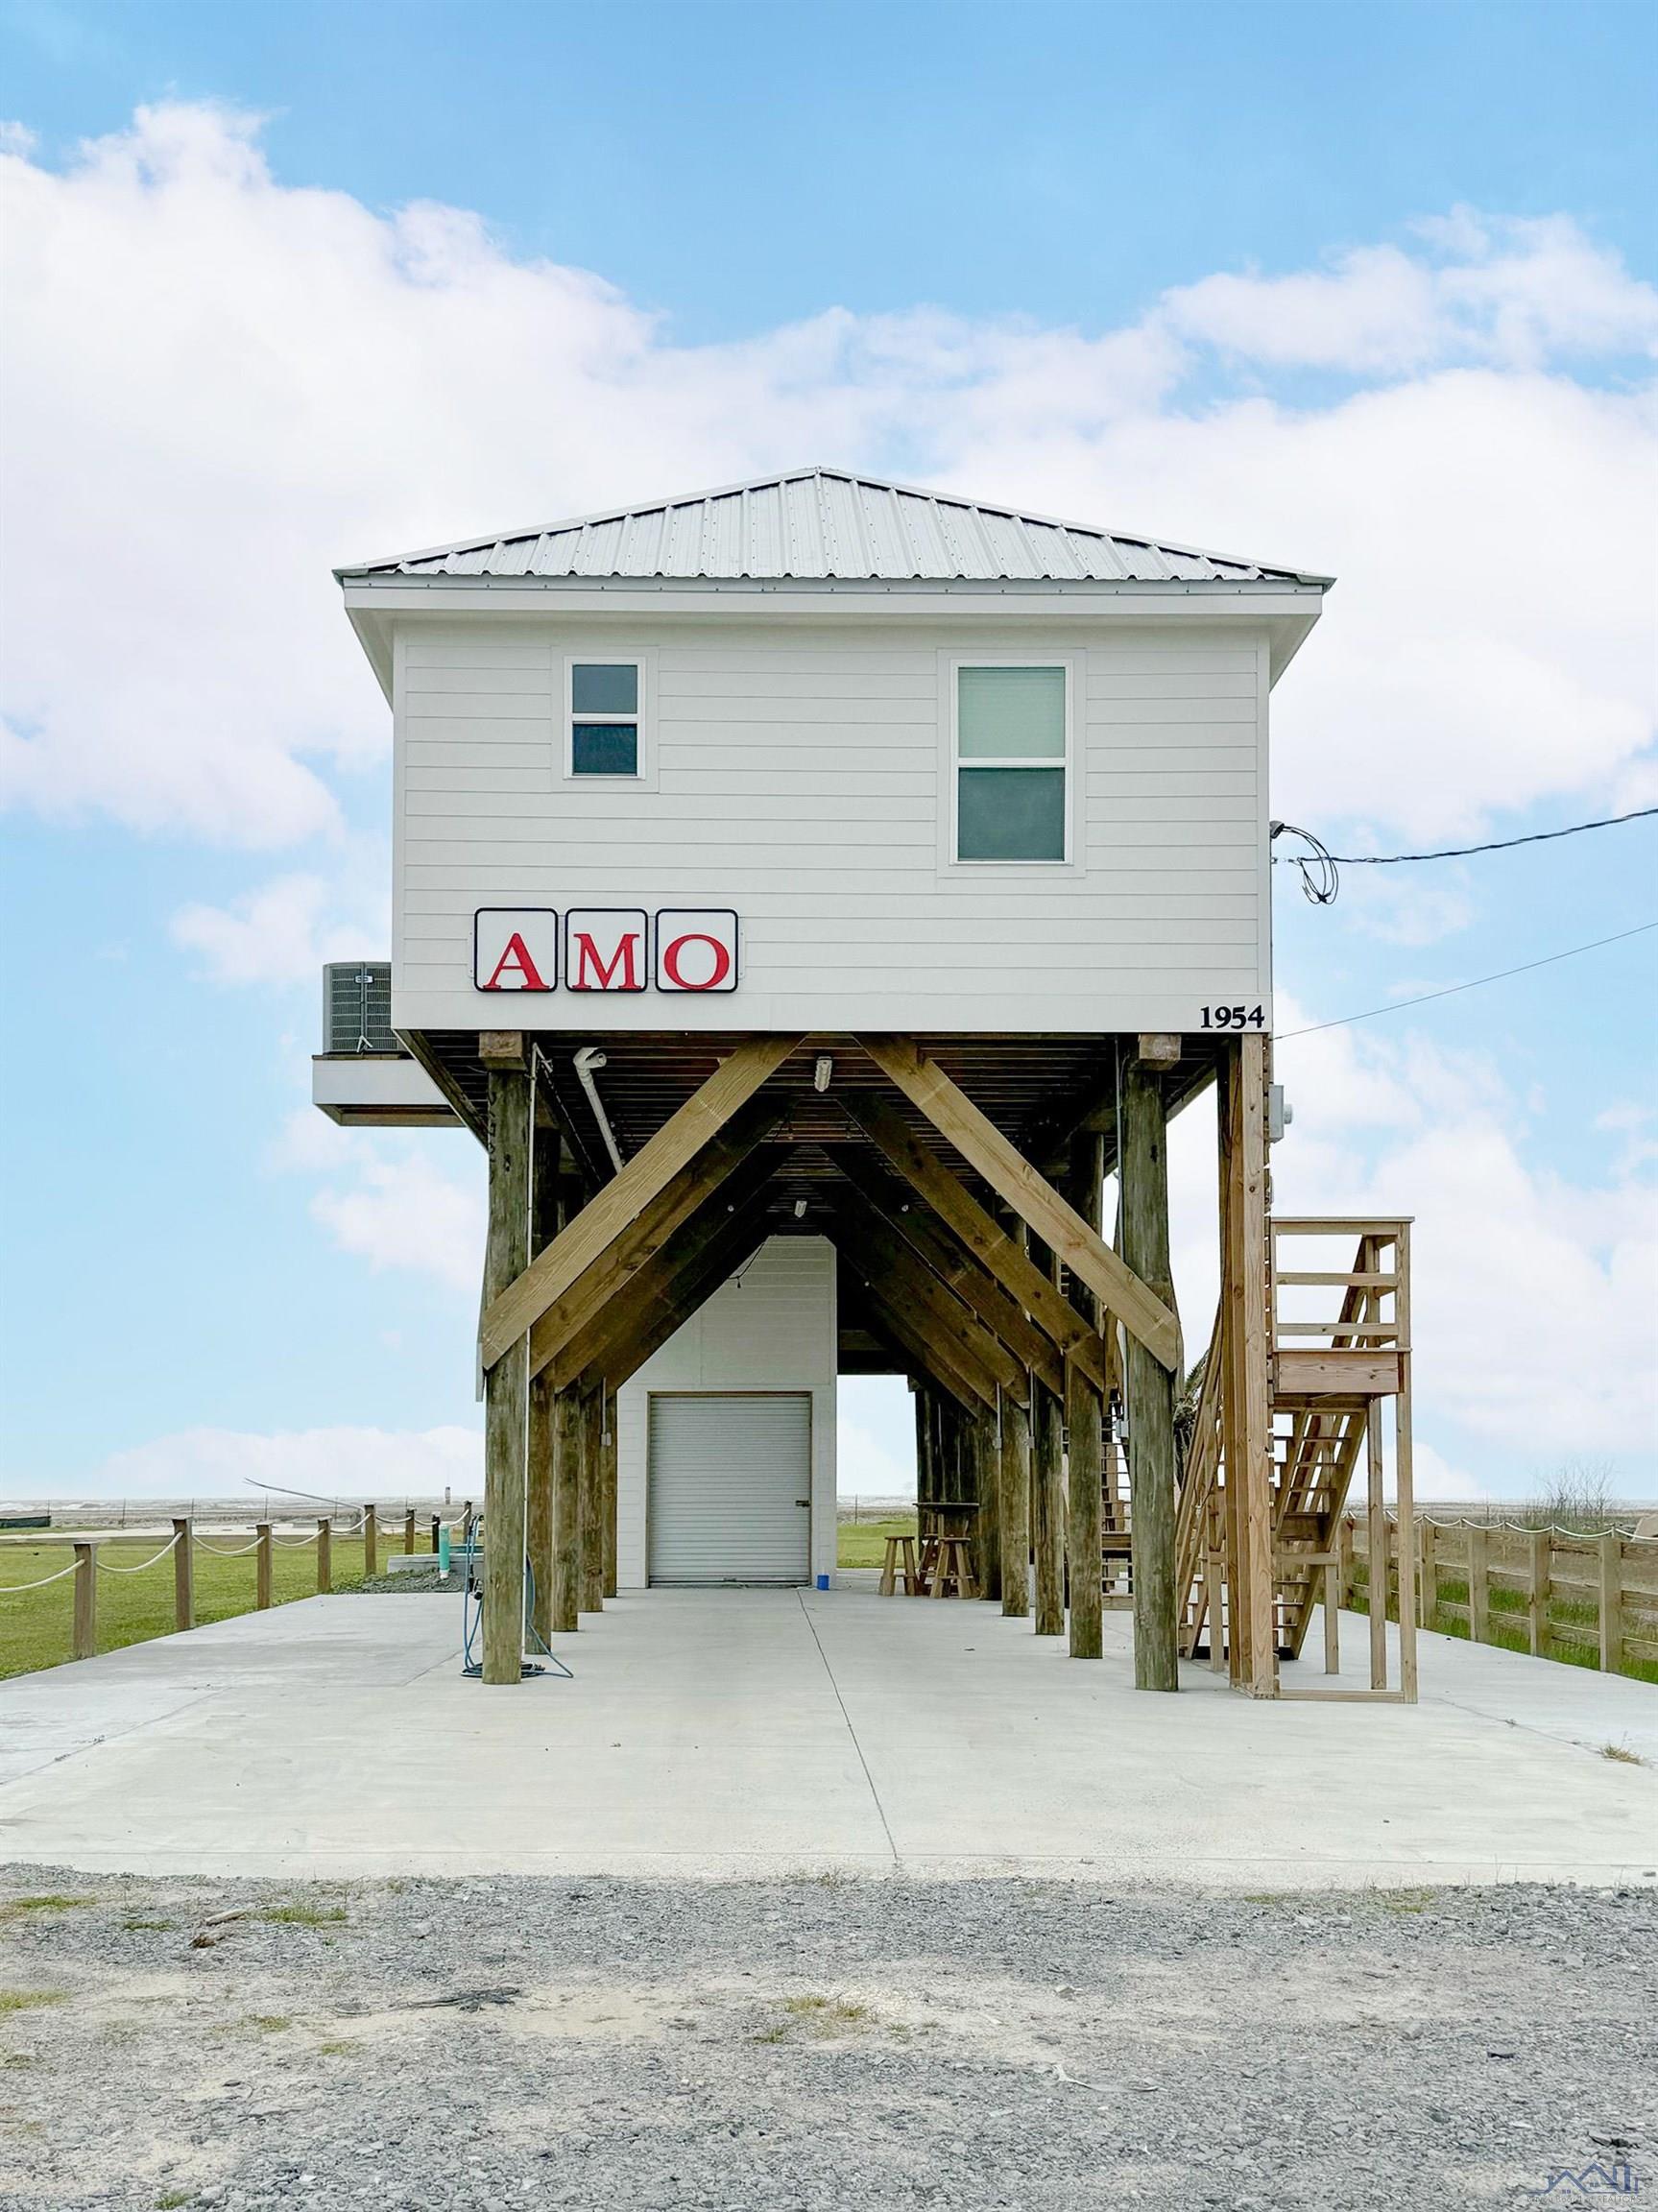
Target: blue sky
{"x": 1364, "y": 288}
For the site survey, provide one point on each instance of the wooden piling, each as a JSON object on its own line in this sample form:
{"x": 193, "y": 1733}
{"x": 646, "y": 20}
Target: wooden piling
{"x": 1252, "y": 1653}
{"x": 325, "y": 1555}
{"x": 409, "y": 1533}
{"x": 547, "y": 1209}
{"x": 506, "y": 1384}
{"x": 84, "y": 1643}
{"x": 184, "y": 1574}
{"x": 987, "y": 1445}
{"x": 1142, "y": 1150}
{"x": 1047, "y": 1510}
{"x": 1085, "y": 1470}
{"x": 1013, "y": 1509}
{"x": 263, "y": 1562}
{"x": 609, "y": 1464}
{"x": 592, "y": 1503}
{"x": 370, "y": 1540}
{"x": 566, "y": 1583}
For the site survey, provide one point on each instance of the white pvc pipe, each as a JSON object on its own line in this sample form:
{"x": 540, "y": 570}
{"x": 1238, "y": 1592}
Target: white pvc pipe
{"x": 587, "y": 1061}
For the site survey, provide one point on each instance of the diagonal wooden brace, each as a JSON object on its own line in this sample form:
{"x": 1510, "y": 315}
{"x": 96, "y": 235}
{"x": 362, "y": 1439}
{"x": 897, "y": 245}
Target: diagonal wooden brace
{"x": 620, "y": 1201}
{"x": 1034, "y": 1199}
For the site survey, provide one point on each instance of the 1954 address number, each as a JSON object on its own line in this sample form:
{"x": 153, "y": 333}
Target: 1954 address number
{"x": 1234, "y": 1017}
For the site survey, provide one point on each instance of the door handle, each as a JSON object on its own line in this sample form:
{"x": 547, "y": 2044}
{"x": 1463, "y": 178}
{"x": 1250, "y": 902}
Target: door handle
{"x": 803, "y": 1502}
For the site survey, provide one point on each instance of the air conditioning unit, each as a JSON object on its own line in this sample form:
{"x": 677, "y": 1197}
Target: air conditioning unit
{"x": 357, "y": 1007}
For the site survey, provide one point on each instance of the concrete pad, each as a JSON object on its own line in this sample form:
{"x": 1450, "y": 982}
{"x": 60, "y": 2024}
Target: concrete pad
{"x": 744, "y": 1732}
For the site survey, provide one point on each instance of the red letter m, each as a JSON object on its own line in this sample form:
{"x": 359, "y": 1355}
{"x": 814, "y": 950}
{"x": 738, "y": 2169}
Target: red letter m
{"x": 588, "y": 955}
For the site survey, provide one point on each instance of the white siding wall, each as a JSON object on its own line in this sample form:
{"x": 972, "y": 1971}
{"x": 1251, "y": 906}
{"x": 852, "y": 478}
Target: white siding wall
{"x": 771, "y": 1328}
{"x": 800, "y": 775}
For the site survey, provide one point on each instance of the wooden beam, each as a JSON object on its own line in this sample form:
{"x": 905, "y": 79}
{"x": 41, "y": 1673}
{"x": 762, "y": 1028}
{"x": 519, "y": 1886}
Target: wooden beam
{"x": 1143, "y": 1152}
{"x": 506, "y": 1385}
{"x": 871, "y": 1239}
{"x": 520, "y": 1305}
{"x": 656, "y": 1223}
{"x": 502, "y": 1049}
{"x": 967, "y": 1219}
{"x": 1034, "y": 1199}
{"x": 650, "y": 1329}
{"x": 953, "y": 1264}
{"x": 948, "y": 1365}
{"x": 656, "y": 1280}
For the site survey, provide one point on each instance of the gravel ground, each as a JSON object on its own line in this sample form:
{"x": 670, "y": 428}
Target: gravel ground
{"x": 772, "y": 2045}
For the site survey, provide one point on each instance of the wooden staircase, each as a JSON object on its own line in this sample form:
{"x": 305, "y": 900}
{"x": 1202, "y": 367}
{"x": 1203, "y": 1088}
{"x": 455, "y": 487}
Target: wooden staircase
{"x": 1338, "y": 1344}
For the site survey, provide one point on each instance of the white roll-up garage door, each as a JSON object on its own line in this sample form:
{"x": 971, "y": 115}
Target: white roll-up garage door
{"x": 730, "y": 1493}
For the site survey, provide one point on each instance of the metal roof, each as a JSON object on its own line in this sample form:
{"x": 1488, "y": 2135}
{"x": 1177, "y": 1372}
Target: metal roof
{"x": 824, "y": 524}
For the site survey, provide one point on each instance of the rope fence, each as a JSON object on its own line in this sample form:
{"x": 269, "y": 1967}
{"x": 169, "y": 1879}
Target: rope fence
{"x": 184, "y": 1544}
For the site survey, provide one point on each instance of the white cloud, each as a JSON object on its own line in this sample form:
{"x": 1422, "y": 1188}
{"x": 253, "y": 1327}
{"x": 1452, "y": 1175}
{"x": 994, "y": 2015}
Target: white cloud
{"x": 255, "y": 382}
{"x": 281, "y": 931}
{"x": 403, "y": 1211}
{"x": 1533, "y": 1296}
{"x": 232, "y": 1465}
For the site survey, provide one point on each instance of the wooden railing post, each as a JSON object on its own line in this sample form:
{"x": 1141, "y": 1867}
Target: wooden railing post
{"x": 1611, "y": 1601}
{"x": 324, "y": 1557}
{"x": 184, "y": 1574}
{"x": 370, "y": 1541}
{"x": 1345, "y": 1573}
{"x": 262, "y": 1562}
{"x": 409, "y": 1533}
{"x": 1428, "y": 1560}
{"x": 85, "y": 1631}
{"x": 1478, "y": 1583}
{"x": 436, "y": 1534}
{"x": 1537, "y": 1596}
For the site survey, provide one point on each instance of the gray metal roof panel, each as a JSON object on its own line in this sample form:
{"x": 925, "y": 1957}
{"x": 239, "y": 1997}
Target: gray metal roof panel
{"x": 826, "y": 523}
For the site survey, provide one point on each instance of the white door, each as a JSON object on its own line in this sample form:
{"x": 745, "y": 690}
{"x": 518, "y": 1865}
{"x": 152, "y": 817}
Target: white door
{"x": 729, "y": 1488}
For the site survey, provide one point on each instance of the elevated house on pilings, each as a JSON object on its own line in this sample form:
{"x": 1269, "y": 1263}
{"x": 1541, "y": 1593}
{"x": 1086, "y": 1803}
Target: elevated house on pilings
{"x": 810, "y": 892}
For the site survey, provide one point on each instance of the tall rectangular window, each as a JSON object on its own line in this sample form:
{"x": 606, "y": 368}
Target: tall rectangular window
{"x": 1010, "y": 763}
{"x": 604, "y": 719}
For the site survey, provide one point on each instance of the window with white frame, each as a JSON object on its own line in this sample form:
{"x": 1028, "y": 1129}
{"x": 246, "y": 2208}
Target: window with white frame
{"x": 605, "y": 718}
{"x": 1012, "y": 727}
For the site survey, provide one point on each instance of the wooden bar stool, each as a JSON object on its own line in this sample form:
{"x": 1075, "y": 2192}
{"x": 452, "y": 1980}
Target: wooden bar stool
{"x": 953, "y": 1567}
{"x": 900, "y": 1559}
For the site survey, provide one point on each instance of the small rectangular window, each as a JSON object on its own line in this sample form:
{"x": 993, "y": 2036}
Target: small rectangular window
{"x": 604, "y": 719}
{"x": 1011, "y": 760}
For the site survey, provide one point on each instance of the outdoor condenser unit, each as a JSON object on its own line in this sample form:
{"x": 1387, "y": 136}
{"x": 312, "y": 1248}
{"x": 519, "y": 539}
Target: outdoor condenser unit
{"x": 357, "y": 1007}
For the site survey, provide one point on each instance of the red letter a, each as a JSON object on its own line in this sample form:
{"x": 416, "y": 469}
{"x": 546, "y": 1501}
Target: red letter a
{"x": 518, "y": 956}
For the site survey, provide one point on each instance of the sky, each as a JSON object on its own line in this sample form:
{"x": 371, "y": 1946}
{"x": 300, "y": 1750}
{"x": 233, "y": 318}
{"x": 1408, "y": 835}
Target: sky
{"x": 1369, "y": 290}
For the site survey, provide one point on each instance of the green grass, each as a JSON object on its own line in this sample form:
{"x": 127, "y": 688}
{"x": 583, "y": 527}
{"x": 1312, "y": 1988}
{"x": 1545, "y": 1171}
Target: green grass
{"x": 1511, "y": 1624}
{"x": 863, "y": 1543}
{"x": 30, "y": 2000}
{"x": 303, "y": 1915}
{"x": 25, "y": 1908}
{"x": 35, "y": 1628}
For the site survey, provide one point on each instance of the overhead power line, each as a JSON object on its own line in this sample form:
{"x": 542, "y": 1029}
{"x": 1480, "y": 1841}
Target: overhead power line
{"x": 1497, "y": 844}
{"x": 1451, "y": 990}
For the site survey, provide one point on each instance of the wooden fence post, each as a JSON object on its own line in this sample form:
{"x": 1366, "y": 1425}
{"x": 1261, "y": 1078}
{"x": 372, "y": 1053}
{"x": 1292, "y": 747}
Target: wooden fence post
{"x": 409, "y": 1533}
{"x": 1537, "y": 1597}
{"x": 86, "y": 1643}
{"x": 1344, "y": 1571}
{"x": 1427, "y": 1559}
{"x": 325, "y": 1555}
{"x": 1611, "y": 1601}
{"x": 437, "y": 1528}
{"x": 1478, "y": 1583}
{"x": 262, "y": 1563}
{"x": 183, "y": 1576}
{"x": 370, "y": 1541}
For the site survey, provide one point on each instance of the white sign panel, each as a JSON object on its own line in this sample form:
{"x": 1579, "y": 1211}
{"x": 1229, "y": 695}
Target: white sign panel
{"x": 607, "y": 949}
{"x": 696, "y": 949}
{"x": 515, "y": 949}
{"x": 678, "y": 949}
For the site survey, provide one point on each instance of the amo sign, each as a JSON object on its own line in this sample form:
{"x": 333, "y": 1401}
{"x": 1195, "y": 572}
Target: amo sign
{"x": 605, "y": 948}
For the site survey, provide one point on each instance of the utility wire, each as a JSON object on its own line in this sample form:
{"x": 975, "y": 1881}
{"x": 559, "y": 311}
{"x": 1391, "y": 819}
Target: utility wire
{"x": 1452, "y": 989}
{"x": 1463, "y": 852}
